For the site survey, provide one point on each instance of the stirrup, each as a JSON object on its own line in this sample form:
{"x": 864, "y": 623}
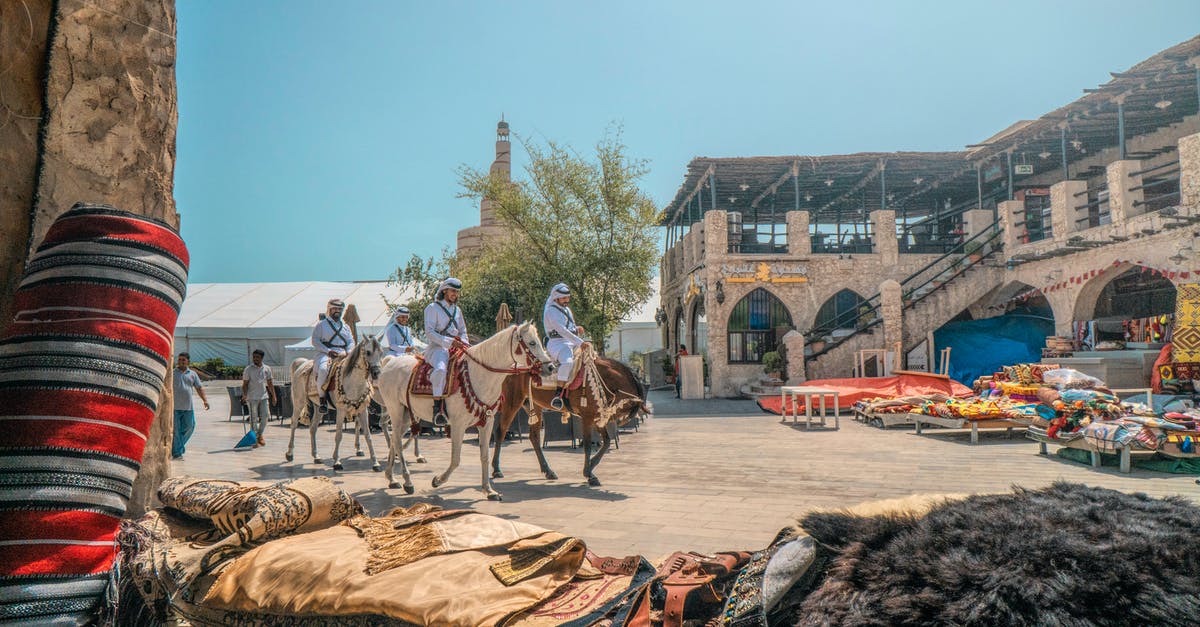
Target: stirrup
{"x": 556, "y": 403}
{"x": 439, "y": 414}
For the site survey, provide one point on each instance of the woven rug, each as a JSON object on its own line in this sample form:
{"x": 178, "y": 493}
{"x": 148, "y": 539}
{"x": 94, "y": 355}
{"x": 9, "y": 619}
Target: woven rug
{"x": 1185, "y": 338}
{"x": 82, "y": 366}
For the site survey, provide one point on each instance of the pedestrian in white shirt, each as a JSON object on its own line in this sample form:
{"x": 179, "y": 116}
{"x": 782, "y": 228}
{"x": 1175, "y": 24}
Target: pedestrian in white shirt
{"x": 444, "y": 327}
{"x": 258, "y": 394}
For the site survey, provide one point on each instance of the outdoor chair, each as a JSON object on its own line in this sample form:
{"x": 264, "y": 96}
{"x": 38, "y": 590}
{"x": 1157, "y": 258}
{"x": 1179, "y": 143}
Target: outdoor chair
{"x": 577, "y": 433}
{"x": 235, "y": 403}
{"x": 283, "y": 402}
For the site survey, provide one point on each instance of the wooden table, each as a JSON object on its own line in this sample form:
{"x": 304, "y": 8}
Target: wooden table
{"x": 960, "y": 423}
{"x": 808, "y": 392}
{"x": 1127, "y": 453}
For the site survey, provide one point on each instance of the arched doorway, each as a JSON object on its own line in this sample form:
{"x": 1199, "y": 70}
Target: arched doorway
{"x": 1128, "y": 307}
{"x": 756, "y": 323}
{"x": 698, "y": 345}
{"x": 680, "y": 332}
{"x": 841, "y": 311}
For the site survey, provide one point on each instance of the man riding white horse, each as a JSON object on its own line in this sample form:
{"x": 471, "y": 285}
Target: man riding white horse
{"x": 331, "y": 338}
{"x": 444, "y": 328}
{"x": 399, "y": 335}
{"x": 563, "y": 338}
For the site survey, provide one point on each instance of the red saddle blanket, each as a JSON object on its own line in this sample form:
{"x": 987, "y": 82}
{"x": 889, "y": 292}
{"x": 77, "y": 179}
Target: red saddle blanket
{"x": 420, "y": 385}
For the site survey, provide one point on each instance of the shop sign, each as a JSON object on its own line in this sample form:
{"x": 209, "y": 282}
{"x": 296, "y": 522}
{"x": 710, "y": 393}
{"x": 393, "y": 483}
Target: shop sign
{"x": 1023, "y": 169}
{"x": 764, "y": 272}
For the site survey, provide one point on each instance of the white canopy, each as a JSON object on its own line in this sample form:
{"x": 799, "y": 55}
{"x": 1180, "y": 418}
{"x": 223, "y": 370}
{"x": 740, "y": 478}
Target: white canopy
{"x": 230, "y": 320}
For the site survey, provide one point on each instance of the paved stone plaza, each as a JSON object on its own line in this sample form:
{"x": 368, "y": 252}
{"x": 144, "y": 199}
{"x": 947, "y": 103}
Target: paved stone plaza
{"x": 697, "y": 481}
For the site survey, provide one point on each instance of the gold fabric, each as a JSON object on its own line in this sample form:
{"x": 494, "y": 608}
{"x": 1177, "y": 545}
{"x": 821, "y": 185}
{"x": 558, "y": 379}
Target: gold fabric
{"x": 1185, "y": 339}
{"x": 243, "y": 515}
{"x": 324, "y": 573}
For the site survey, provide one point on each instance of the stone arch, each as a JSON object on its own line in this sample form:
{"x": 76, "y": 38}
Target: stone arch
{"x": 1010, "y": 296}
{"x": 678, "y": 330}
{"x": 697, "y": 326}
{"x": 839, "y": 311}
{"x": 756, "y": 325}
{"x": 1129, "y": 287}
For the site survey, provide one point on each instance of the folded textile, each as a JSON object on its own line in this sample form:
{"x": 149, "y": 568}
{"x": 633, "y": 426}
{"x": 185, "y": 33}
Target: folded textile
{"x": 243, "y": 515}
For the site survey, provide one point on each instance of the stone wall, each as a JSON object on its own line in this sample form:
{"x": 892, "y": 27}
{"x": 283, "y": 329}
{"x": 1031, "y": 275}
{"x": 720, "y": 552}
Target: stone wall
{"x": 108, "y": 121}
{"x": 1151, "y": 240}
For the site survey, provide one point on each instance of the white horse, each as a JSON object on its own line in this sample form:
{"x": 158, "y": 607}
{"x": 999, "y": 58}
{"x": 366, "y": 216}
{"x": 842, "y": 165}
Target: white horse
{"x": 351, "y": 394}
{"x": 488, "y": 364}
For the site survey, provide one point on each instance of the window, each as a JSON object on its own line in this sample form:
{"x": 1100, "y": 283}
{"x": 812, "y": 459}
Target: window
{"x": 755, "y": 324}
{"x": 842, "y": 311}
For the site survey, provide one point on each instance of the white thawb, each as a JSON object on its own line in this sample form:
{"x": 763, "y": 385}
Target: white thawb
{"x": 443, "y": 323}
{"x": 330, "y": 338}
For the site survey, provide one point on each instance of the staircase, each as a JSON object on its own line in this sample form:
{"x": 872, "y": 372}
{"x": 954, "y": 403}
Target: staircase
{"x": 932, "y": 296}
{"x": 764, "y": 386}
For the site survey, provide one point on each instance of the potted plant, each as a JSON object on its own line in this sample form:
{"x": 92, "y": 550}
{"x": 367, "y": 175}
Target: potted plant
{"x": 668, "y": 370}
{"x": 973, "y": 251}
{"x": 772, "y": 363}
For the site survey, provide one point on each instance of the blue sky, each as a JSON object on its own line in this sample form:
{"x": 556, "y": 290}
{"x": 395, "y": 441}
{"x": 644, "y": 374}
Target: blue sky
{"x": 320, "y": 140}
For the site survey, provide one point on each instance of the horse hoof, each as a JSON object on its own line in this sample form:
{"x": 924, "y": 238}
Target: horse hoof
{"x": 551, "y": 475}
{"x": 337, "y": 466}
{"x": 377, "y": 468}
{"x": 408, "y": 489}
{"x": 394, "y": 485}
{"x": 495, "y": 496}
{"x": 288, "y": 457}
{"x": 496, "y": 474}
{"x": 436, "y": 482}
{"x": 316, "y": 460}
{"x": 421, "y": 460}
{"x": 358, "y": 454}
{"x": 594, "y": 482}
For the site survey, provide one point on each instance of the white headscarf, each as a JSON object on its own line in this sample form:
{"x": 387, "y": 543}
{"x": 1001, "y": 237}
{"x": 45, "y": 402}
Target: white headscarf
{"x": 560, "y": 290}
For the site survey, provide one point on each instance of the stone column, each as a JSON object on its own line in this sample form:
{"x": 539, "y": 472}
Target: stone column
{"x": 887, "y": 246}
{"x": 976, "y": 221}
{"x": 799, "y": 241}
{"x": 1063, "y": 211}
{"x": 891, "y": 307}
{"x": 1189, "y": 171}
{"x": 1120, "y": 199}
{"x": 716, "y": 234}
{"x": 794, "y": 341}
{"x": 23, "y": 32}
{"x": 1012, "y": 219}
{"x": 109, "y": 137}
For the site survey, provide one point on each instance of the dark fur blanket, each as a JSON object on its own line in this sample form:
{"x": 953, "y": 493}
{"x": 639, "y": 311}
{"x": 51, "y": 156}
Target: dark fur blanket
{"x": 1063, "y": 555}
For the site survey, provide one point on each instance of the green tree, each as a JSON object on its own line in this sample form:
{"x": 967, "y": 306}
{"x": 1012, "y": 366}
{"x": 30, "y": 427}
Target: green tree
{"x": 582, "y": 221}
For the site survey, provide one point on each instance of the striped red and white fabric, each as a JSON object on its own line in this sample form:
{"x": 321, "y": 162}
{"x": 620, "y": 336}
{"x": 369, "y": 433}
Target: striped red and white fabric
{"x": 82, "y": 366}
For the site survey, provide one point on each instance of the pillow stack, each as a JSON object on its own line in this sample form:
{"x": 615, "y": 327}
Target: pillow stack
{"x": 82, "y": 366}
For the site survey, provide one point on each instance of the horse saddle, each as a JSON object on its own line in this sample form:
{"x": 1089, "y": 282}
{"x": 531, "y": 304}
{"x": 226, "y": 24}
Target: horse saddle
{"x": 687, "y": 586}
{"x": 334, "y": 364}
{"x": 576, "y": 380}
{"x": 419, "y": 383}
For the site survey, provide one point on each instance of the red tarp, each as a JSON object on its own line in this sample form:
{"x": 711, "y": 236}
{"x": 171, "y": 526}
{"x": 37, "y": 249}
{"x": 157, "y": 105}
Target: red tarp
{"x": 852, "y": 390}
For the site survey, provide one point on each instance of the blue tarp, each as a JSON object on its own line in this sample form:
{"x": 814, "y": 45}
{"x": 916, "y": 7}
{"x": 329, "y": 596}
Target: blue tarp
{"x": 981, "y": 347}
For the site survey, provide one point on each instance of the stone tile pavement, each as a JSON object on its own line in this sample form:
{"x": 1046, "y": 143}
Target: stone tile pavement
{"x": 700, "y": 482}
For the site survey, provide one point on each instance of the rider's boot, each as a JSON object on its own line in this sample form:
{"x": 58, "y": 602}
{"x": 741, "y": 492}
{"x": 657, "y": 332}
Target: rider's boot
{"x": 324, "y": 408}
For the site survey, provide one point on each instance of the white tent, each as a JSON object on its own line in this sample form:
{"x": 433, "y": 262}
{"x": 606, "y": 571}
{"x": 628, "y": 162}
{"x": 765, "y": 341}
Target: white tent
{"x": 230, "y": 320}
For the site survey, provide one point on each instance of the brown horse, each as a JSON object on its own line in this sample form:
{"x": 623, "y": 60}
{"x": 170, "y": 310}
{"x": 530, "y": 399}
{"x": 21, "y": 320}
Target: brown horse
{"x": 624, "y": 389}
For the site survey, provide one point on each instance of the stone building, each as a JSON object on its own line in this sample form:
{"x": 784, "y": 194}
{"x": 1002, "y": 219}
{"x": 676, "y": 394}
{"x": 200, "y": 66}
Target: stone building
{"x": 472, "y": 238}
{"x": 829, "y": 255}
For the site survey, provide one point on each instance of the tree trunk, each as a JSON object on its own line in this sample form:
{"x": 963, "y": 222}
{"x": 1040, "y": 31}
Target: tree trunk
{"x": 106, "y": 103}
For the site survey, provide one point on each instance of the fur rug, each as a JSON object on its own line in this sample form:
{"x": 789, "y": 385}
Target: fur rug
{"x": 1067, "y": 554}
